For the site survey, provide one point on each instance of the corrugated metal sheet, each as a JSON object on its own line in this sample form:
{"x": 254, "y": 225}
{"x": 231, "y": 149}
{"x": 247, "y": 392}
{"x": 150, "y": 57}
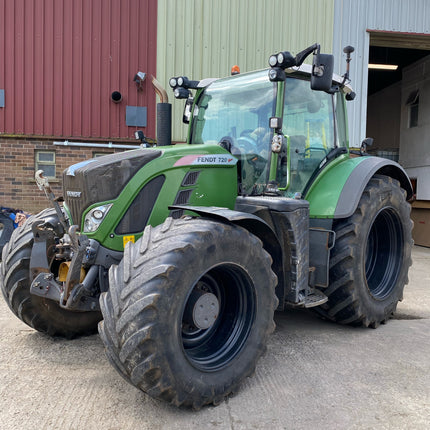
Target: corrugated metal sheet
{"x": 60, "y": 60}
{"x": 201, "y": 39}
{"x": 353, "y": 19}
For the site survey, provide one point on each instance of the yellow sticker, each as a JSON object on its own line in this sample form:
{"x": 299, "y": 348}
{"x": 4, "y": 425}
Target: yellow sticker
{"x": 126, "y": 239}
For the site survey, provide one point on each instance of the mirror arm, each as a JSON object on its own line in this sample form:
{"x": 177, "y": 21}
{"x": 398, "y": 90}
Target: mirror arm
{"x": 301, "y": 56}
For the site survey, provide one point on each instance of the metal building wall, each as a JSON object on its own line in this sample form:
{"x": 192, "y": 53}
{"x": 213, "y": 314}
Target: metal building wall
{"x": 352, "y": 20}
{"x": 60, "y": 60}
{"x": 202, "y": 39}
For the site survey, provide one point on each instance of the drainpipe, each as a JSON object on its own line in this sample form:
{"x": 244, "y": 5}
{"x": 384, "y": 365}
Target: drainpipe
{"x": 96, "y": 145}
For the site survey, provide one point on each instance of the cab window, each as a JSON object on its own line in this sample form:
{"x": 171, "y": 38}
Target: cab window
{"x": 308, "y": 121}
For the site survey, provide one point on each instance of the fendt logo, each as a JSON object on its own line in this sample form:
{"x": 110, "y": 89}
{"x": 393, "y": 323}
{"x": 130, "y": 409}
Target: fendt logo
{"x": 212, "y": 160}
{"x": 75, "y": 194}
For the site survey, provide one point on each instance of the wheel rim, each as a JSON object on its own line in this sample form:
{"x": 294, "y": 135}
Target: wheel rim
{"x": 384, "y": 253}
{"x": 213, "y": 348}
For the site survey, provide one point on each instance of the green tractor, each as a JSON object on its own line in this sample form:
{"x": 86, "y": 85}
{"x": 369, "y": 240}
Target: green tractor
{"x": 181, "y": 254}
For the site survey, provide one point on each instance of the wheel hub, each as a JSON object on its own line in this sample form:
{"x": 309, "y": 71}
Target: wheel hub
{"x": 205, "y": 311}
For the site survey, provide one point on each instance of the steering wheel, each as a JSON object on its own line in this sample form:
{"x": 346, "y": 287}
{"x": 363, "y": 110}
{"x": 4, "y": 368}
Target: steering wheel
{"x": 245, "y": 147}
{"x": 247, "y": 144}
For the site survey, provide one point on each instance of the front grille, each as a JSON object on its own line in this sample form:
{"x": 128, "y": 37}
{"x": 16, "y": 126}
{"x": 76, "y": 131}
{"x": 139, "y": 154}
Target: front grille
{"x": 75, "y": 208}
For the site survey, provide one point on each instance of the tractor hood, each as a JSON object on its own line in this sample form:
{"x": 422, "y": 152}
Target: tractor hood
{"x": 101, "y": 179}
{"x": 113, "y": 198}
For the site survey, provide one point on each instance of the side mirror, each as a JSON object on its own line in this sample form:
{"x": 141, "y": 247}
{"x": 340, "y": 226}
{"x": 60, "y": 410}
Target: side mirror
{"x": 322, "y": 72}
{"x": 187, "y": 110}
{"x": 368, "y": 141}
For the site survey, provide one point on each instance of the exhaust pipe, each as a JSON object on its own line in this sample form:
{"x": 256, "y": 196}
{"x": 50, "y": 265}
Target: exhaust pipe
{"x": 164, "y": 115}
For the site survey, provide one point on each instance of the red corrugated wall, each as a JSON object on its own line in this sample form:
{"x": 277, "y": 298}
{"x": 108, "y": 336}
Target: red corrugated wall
{"x": 60, "y": 60}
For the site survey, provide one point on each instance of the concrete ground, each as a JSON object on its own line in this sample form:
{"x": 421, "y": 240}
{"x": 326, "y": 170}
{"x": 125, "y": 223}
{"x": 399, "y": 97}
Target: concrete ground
{"x": 315, "y": 375}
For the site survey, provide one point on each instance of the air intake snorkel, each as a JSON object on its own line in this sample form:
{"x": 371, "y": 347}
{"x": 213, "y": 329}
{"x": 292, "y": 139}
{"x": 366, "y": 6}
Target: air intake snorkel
{"x": 164, "y": 115}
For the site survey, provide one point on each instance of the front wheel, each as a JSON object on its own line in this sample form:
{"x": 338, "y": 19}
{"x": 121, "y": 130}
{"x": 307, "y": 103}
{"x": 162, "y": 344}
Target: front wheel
{"x": 189, "y": 310}
{"x": 370, "y": 260}
{"x": 6, "y": 229}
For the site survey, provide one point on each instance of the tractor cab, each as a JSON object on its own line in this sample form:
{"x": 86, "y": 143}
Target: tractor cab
{"x": 283, "y": 131}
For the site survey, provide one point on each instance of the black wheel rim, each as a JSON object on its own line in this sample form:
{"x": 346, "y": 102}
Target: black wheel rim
{"x": 214, "y": 348}
{"x": 384, "y": 253}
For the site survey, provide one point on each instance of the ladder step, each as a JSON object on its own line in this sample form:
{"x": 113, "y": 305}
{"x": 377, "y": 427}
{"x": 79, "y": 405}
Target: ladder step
{"x": 315, "y": 299}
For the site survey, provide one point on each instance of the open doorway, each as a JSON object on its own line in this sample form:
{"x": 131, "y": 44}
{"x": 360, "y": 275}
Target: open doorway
{"x": 398, "y": 108}
{"x": 386, "y": 87}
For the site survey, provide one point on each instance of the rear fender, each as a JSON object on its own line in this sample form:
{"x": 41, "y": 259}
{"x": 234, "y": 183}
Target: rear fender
{"x": 337, "y": 191}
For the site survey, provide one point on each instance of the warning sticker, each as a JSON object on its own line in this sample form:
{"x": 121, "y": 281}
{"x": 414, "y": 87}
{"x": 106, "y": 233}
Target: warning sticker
{"x": 213, "y": 160}
{"x": 126, "y": 239}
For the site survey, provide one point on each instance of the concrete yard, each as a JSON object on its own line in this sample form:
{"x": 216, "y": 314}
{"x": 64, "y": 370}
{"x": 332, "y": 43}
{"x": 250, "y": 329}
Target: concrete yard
{"x": 315, "y": 375}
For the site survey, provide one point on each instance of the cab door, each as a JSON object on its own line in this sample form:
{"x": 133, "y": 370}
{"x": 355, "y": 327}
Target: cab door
{"x": 309, "y": 127}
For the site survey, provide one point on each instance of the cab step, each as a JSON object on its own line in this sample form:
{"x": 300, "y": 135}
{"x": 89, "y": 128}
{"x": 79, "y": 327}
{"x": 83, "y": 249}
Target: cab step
{"x": 315, "y": 299}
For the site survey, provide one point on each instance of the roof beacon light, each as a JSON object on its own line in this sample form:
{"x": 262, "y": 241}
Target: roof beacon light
{"x": 235, "y": 70}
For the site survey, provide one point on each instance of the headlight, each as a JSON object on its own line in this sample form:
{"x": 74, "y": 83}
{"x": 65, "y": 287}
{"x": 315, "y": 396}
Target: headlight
{"x": 95, "y": 217}
{"x": 273, "y": 60}
{"x": 173, "y": 82}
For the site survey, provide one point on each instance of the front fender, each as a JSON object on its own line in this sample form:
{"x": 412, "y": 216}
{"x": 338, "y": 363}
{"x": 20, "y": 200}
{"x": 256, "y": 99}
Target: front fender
{"x": 251, "y": 222}
{"x": 337, "y": 190}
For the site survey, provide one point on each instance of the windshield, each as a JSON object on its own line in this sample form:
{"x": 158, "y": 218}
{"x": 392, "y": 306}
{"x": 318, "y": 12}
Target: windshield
{"x": 235, "y": 112}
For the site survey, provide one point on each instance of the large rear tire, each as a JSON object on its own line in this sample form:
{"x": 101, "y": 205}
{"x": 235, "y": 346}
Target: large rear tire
{"x": 39, "y": 313}
{"x": 370, "y": 260}
{"x": 189, "y": 310}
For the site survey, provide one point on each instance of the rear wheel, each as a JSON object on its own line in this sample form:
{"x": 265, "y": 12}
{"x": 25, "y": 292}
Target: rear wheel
{"x": 189, "y": 310}
{"x": 370, "y": 260}
{"x": 39, "y": 313}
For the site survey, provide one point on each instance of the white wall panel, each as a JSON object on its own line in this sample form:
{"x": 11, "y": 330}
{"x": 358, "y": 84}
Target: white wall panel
{"x": 353, "y": 19}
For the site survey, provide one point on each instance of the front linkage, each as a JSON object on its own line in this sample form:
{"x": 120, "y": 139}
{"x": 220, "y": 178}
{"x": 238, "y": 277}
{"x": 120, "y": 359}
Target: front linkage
{"x": 70, "y": 291}
{"x": 80, "y": 267}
